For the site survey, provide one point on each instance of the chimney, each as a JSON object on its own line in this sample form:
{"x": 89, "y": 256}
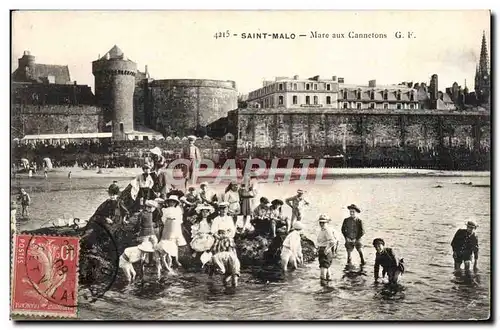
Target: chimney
{"x": 296, "y": 77}
{"x": 334, "y": 78}
{"x": 341, "y": 80}
{"x": 372, "y": 83}
{"x": 74, "y": 82}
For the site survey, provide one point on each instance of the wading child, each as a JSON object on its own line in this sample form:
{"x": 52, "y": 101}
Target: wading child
{"x": 353, "y": 231}
{"x": 147, "y": 232}
{"x": 465, "y": 244}
{"x": 132, "y": 255}
{"x": 297, "y": 203}
{"x": 292, "y": 248}
{"x": 386, "y": 258}
{"x": 223, "y": 229}
{"x": 261, "y": 220}
{"x": 327, "y": 246}
{"x": 202, "y": 239}
{"x": 171, "y": 237}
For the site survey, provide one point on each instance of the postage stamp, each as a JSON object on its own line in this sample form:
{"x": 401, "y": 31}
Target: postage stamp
{"x": 45, "y": 275}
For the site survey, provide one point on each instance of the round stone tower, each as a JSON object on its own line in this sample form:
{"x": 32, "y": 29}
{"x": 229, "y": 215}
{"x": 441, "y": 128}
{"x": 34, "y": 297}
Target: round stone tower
{"x": 114, "y": 90}
{"x": 27, "y": 65}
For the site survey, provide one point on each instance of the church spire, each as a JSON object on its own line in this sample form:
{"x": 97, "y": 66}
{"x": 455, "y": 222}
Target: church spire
{"x": 483, "y": 58}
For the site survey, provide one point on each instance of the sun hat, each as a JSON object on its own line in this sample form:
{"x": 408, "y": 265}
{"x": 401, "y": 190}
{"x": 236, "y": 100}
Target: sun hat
{"x": 354, "y": 207}
{"x": 159, "y": 200}
{"x": 222, "y": 205}
{"x": 113, "y": 189}
{"x": 146, "y": 246}
{"x": 323, "y": 218}
{"x": 278, "y": 202}
{"x": 191, "y": 138}
{"x": 264, "y": 200}
{"x": 173, "y": 198}
{"x": 204, "y": 183}
{"x": 300, "y": 191}
{"x": 155, "y": 151}
{"x": 202, "y": 207}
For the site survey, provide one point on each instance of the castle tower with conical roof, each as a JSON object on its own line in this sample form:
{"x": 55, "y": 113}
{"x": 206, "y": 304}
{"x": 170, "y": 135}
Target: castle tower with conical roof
{"x": 114, "y": 90}
{"x": 482, "y": 79}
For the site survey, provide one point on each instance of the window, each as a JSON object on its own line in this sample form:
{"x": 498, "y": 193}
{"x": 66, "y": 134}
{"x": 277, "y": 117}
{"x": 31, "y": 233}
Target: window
{"x": 315, "y": 87}
{"x": 399, "y": 95}
{"x": 345, "y": 95}
{"x": 358, "y": 106}
{"x": 308, "y": 100}
{"x": 398, "y": 106}
{"x": 145, "y": 138}
{"x": 416, "y": 105}
{"x": 346, "y": 105}
{"x": 359, "y": 95}
{"x": 280, "y": 100}
{"x": 372, "y": 95}
{"x": 412, "y": 106}
{"x": 328, "y": 99}
{"x": 295, "y": 101}
{"x": 386, "y": 106}
{"x": 412, "y": 96}
{"x": 327, "y": 87}
{"x": 294, "y": 87}
{"x": 372, "y": 105}
{"x": 307, "y": 87}
{"x": 315, "y": 100}
{"x": 280, "y": 87}
{"x": 385, "y": 94}
{"x": 121, "y": 127}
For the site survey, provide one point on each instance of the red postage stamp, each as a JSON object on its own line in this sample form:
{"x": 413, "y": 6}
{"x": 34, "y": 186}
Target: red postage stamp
{"x": 45, "y": 275}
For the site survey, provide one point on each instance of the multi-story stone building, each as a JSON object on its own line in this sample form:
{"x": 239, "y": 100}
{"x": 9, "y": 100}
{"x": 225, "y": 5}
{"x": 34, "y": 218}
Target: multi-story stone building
{"x": 386, "y": 97}
{"x": 296, "y": 93}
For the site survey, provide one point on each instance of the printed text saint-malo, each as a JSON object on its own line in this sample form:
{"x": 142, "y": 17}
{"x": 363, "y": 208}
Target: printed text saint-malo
{"x": 314, "y": 35}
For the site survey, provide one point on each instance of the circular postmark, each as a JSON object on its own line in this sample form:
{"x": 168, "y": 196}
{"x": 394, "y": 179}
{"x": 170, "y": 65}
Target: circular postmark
{"x": 51, "y": 264}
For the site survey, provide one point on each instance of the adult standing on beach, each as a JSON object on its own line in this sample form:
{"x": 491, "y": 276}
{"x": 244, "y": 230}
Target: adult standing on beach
{"x": 192, "y": 153}
{"x": 352, "y": 229}
{"x": 297, "y": 204}
{"x": 25, "y": 200}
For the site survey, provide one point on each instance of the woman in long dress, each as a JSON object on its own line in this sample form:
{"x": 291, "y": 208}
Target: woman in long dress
{"x": 248, "y": 194}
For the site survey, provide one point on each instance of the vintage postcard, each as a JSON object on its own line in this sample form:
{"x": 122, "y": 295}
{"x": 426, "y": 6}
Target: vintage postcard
{"x": 251, "y": 165}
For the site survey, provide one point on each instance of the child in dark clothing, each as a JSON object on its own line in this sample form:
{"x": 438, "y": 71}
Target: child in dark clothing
{"x": 386, "y": 258}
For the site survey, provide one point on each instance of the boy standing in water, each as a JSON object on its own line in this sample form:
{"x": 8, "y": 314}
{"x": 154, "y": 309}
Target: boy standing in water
{"x": 327, "y": 243}
{"x": 464, "y": 244}
{"x": 352, "y": 229}
{"x": 386, "y": 258}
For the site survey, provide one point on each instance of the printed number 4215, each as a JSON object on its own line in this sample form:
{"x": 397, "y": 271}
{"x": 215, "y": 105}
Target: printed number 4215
{"x": 221, "y": 34}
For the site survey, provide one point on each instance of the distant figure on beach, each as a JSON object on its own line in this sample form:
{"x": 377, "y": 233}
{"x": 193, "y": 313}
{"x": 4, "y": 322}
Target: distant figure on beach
{"x": 464, "y": 244}
{"x": 386, "y": 258}
{"x": 25, "y": 200}
{"x": 30, "y": 173}
{"x": 193, "y": 155}
{"x": 69, "y": 175}
{"x": 353, "y": 231}
{"x": 297, "y": 204}
{"x": 45, "y": 175}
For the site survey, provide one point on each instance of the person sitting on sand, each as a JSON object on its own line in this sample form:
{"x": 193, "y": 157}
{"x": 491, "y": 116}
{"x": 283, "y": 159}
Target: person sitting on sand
{"x": 327, "y": 244}
{"x": 261, "y": 219}
{"x": 353, "y": 231}
{"x": 386, "y": 258}
{"x": 292, "y": 248}
{"x": 464, "y": 244}
{"x": 297, "y": 204}
{"x": 206, "y": 196}
{"x": 223, "y": 229}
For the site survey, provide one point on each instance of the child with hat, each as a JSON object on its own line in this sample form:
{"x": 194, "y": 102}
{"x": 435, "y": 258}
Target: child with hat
{"x": 327, "y": 245}
{"x": 202, "y": 240}
{"x": 386, "y": 258}
{"x": 224, "y": 229}
{"x": 132, "y": 255}
{"x": 232, "y": 197}
{"x": 353, "y": 231}
{"x": 292, "y": 248}
{"x": 261, "y": 220}
{"x": 465, "y": 244}
{"x": 171, "y": 237}
{"x": 145, "y": 183}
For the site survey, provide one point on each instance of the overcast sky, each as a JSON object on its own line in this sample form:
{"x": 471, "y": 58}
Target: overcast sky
{"x": 176, "y": 44}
